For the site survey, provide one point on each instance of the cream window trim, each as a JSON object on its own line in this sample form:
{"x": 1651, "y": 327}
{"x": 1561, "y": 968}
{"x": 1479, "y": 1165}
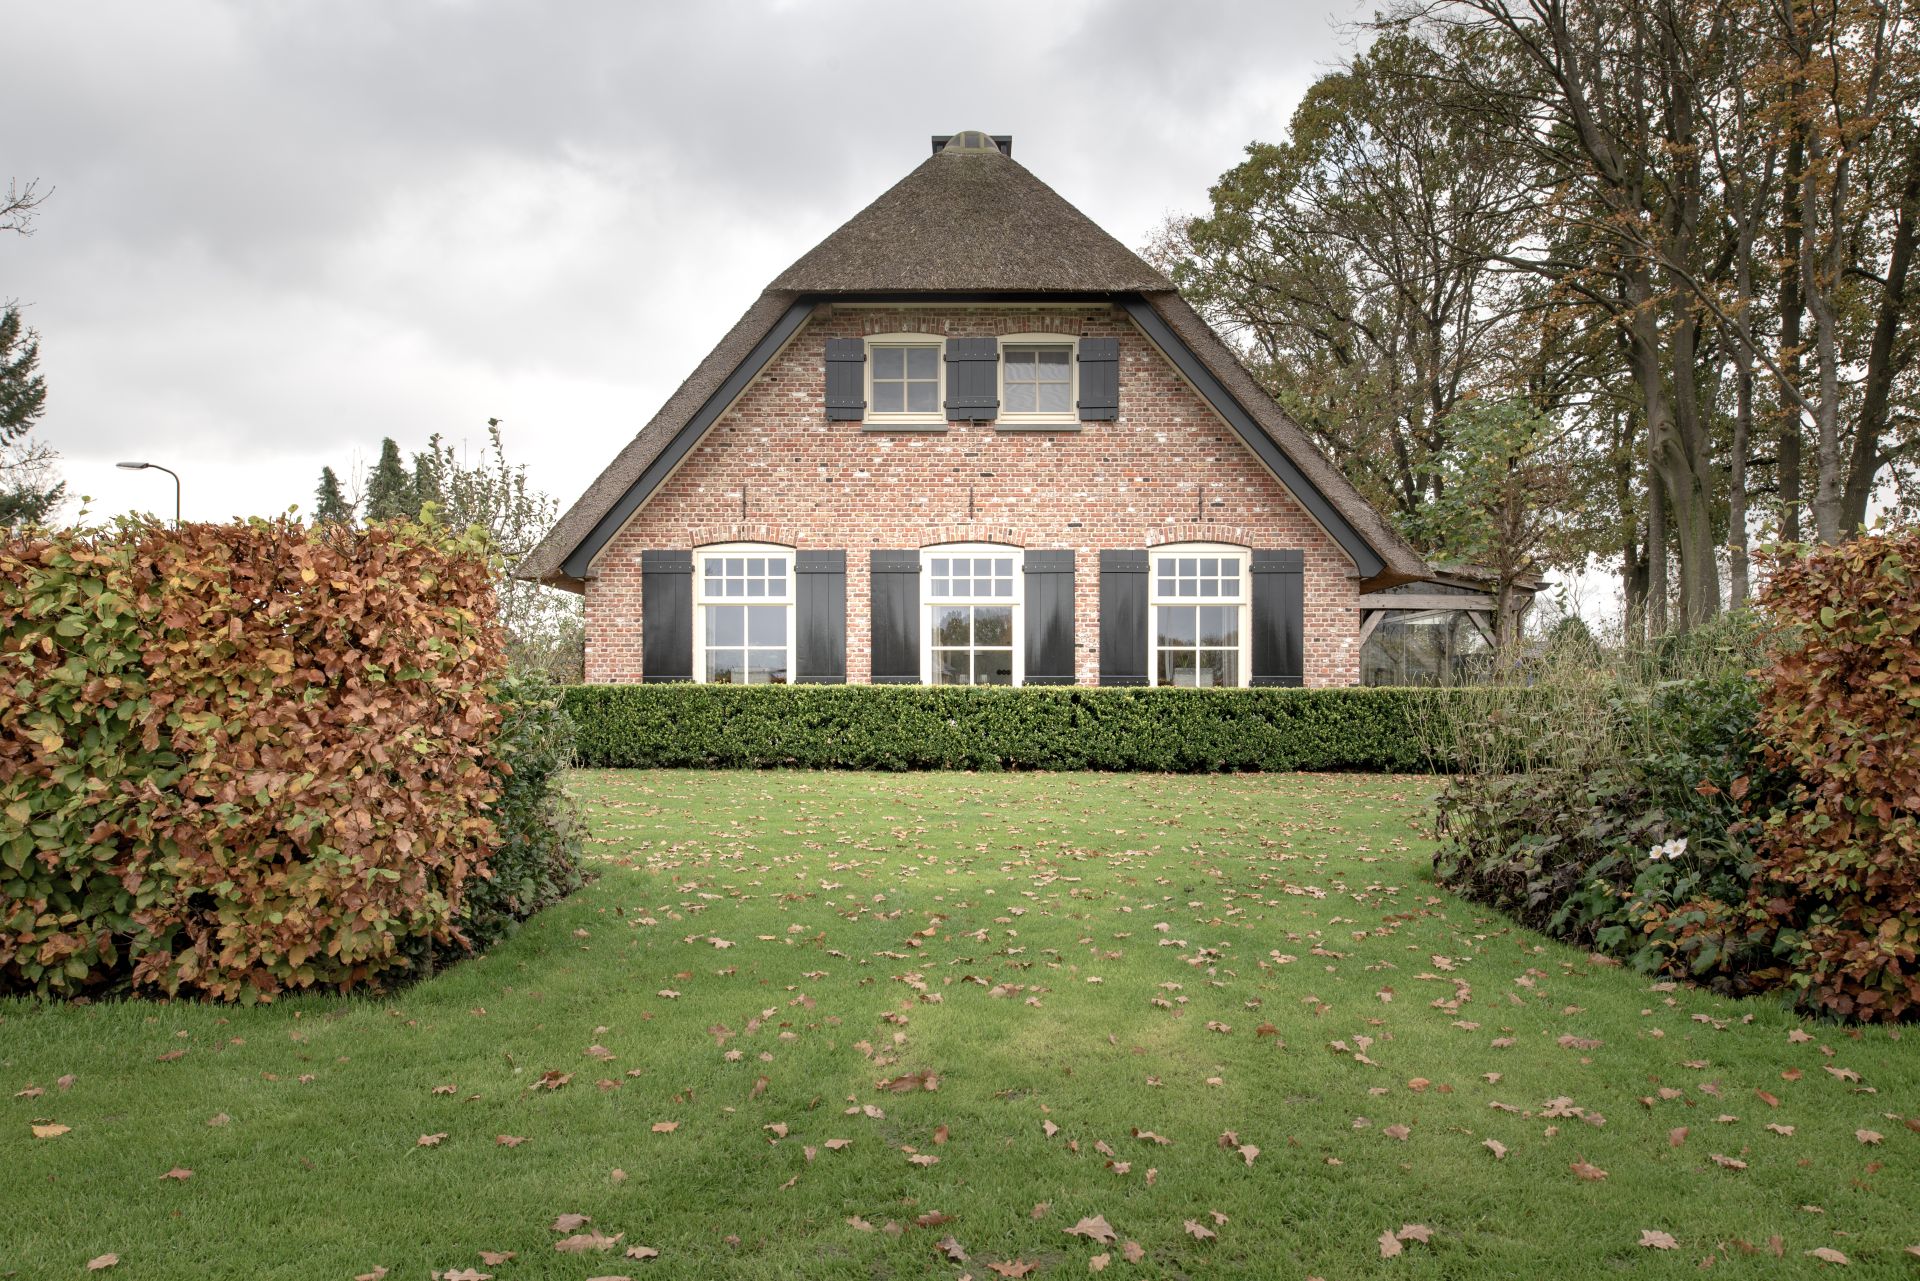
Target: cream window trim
{"x": 1221, "y": 594}
{"x": 713, "y": 592}
{"x": 941, "y": 593}
{"x": 928, "y": 420}
{"x": 1055, "y": 420}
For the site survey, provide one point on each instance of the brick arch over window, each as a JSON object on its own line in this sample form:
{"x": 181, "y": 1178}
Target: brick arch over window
{"x": 743, "y": 532}
{"x": 1198, "y": 532}
{"x": 1005, "y": 535}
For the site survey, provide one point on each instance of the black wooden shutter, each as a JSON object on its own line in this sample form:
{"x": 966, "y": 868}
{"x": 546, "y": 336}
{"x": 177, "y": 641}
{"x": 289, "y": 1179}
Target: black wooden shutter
{"x": 820, "y": 618}
{"x": 1279, "y": 617}
{"x": 895, "y": 596}
{"x": 846, "y": 379}
{"x": 1099, "y": 380}
{"x": 1123, "y": 618}
{"x": 666, "y": 616}
{"x": 1049, "y": 618}
{"x": 973, "y": 379}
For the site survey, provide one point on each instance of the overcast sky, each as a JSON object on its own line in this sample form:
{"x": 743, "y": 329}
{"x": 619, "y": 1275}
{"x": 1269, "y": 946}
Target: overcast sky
{"x": 278, "y": 232}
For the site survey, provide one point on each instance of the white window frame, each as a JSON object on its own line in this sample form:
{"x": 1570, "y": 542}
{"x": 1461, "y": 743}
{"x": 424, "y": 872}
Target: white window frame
{"x": 701, "y": 600}
{"x": 937, "y": 420}
{"x": 1174, "y": 551}
{"x": 928, "y": 601}
{"x": 1070, "y": 416}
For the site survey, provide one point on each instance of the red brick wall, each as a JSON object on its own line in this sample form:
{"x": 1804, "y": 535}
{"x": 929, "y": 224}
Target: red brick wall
{"x": 813, "y": 484}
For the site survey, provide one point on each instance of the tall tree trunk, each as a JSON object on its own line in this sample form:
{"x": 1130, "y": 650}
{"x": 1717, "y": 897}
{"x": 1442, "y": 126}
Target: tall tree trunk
{"x": 1877, "y": 389}
{"x": 1792, "y": 311}
{"x": 1738, "y": 587}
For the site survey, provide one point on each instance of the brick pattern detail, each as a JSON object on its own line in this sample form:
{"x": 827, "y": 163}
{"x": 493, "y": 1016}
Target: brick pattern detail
{"x": 1170, "y": 470}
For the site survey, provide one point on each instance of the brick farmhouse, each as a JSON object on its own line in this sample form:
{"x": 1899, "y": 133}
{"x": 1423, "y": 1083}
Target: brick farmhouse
{"x": 972, "y": 438}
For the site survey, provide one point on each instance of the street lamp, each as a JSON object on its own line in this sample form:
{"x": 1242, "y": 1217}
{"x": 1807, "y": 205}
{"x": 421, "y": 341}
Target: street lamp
{"x": 169, "y": 471}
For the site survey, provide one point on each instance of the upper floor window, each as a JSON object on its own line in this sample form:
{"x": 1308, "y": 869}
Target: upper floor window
{"x": 1037, "y": 381}
{"x": 1198, "y": 616}
{"x": 743, "y": 615}
{"x": 972, "y": 598}
{"x": 904, "y": 379}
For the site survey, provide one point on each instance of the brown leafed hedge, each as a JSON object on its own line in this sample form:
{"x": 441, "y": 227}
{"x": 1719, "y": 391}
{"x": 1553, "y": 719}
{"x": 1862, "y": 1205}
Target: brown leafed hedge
{"x": 1840, "y": 714}
{"x": 240, "y": 759}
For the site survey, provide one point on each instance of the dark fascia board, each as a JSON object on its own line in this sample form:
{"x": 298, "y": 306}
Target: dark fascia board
{"x": 580, "y": 559}
{"x": 1365, "y": 559}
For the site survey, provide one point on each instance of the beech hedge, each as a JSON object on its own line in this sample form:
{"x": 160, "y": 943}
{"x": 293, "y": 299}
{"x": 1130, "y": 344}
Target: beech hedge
{"x": 912, "y": 727}
{"x": 237, "y": 760}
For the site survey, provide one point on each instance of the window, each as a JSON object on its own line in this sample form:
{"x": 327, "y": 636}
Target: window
{"x": 904, "y": 380}
{"x": 1037, "y": 382}
{"x": 1199, "y": 616}
{"x": 743, "y": 623}
{"x": 972, "y": 599}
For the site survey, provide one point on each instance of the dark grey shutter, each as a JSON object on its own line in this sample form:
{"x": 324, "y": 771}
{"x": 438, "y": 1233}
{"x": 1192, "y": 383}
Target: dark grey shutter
{"x": 895, "y": 614}
{"x": 973, "y": 379}
{"x": 1123, "y": 618}
{"x": 1279, "y": 617}
{"x": 820, "y": 618}
{"x": 1099, "y": 380}
{"x": 666, "y": 616}
{"x": 846, "y": 379}
{"x": 1049, "y": 618}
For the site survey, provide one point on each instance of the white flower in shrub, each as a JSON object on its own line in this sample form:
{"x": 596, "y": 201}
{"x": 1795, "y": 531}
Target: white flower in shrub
{"x": 1670, "y": 850}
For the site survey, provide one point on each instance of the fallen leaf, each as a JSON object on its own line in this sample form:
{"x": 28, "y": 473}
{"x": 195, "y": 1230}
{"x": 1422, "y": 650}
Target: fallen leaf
{"x": 923, "y": 1159}
{"x": 101, "y": 1262}
{"x": 509, "y": 1140}
{"x": 1012, "y": 1268}
{"x": 1398, "y": 1133}
{"x": 1247, "y": 1152}
{"x": 1657, "y": 1240}
{"x": 494, "y": 1258}
{"x": 1415, "y": 1232}
{"x": 1871, "y": 1138}
{"x": 1588, "y": 1171}
{"x": 1094, "y": 1228}
{"x": 1496, "y": 1147}
{"x": 584, "y": 1241}
{"x": 665, "y": 1127}
{"x": 951, "y": 1249}
{"x": 1390, "y": 1244}
{"x": 1099, "y": 1262}
{"x": 1827, "y": 1254}
{"x": 1728, "y": 1163}
{"x": 1200, "y": 1231}
{"x": 1133, "y": 1252}
{"x": 178, "y": 1173}
{"x": 430, "y": 1140}
{"x": 51, "y": 1131}
{"x": 568, "y": 1222}
{"x": 642, "y": 1252}
{"x": 1676, "y": 1136}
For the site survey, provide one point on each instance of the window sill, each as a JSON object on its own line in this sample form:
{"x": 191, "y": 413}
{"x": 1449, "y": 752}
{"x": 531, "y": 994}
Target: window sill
{"x": 1038, "y": 424}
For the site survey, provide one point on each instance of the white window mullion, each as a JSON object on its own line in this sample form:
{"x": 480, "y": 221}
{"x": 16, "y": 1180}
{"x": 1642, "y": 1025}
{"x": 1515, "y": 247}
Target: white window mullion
{"x": 1199, "y": 616}
{"x": 971, "y": 600}
{"x": 743, "y": 631}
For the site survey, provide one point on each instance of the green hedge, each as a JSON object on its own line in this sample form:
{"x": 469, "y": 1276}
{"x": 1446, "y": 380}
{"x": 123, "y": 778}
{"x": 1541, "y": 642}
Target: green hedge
{"x": 911, "y": 727}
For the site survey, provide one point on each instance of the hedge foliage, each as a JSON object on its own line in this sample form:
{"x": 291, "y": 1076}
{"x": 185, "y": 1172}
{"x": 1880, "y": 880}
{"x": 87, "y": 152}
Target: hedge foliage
{"x": 241, "y": 759}
{"x": 911, "y": 727}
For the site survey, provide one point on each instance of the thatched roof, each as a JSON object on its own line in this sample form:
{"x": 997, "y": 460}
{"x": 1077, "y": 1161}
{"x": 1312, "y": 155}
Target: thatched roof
{"x": 968, "y": 220}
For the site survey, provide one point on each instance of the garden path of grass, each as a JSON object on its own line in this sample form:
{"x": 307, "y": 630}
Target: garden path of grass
{"x": 1259, "y": 958}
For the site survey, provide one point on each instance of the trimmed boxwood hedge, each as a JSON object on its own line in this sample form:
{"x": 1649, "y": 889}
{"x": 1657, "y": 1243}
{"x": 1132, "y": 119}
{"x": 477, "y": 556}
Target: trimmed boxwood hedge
{"x": 911, "y": 727}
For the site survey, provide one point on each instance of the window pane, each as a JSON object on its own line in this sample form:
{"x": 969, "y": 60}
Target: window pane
{"x": 726, "y": 667}
{"x": 939, "y": 587}
{"x": 1020, "y": 364}
{"x": 1055, "y": 398}
{"x": 1220, "y": 625}
{"x": 920, "y": 398}
{"x": 766, "y": 667}
{"x": 1189, "y": 566}
{"x": 1219, "y": 668}
{"x": 950, "y": 625}
{"x": 993, "y": 667}
{"x": 1209, "y": 565}
{"x": 1230, "y": 581}
{"x": 777, "y": 586}
{"x": 889, "y": 398}
{"x": 939, "y": 565}
{"x": 923, "y": 362}
{"x": 1177, "y": 625}
{"x": 1189, "y": 587}
{"x": 1003, "y": 587}
{"x": 726, "y": 625}
{"x": 767, "y": 625}
{"x": 1021, "y": 398}
{"x": 1053, "y": 363}
{"x": 1209, "y": 587}
{"x": 950, "y": 667}
{"x": 983, "y": 564}
{"x": 887, "y": 362}
{"x": 993, "y": 625}
{"x": 756, "y": 586}
{"x": 1177, "y": 667}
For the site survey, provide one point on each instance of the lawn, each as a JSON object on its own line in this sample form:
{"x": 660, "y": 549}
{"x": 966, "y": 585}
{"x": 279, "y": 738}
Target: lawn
{"x": 798, "y": 1016}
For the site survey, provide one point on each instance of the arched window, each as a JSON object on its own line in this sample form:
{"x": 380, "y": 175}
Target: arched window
{"x": 1198, "y": 622}
{"x": 971, "y": 597}
{"x": 743, "y": 614}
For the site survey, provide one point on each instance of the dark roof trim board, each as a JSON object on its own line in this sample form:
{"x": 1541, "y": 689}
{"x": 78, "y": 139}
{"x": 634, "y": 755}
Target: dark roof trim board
{"x": 1367, "y": 561}
{"x": 580, "y": 559}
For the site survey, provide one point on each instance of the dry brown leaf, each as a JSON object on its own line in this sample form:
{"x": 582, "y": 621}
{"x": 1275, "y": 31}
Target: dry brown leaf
{"x": 1588, "y": 1171}
{"x": 834, "y": 1145}
{"x": 1099, "y": 1262}
{"x": 1011, "y": 1268}
{"x": 508, "y": 1140}
{"x": 859, "y": 1224}
{"x": 941, "y": 1134}
{"x": 178, "y": 1173}
{"x": 665, "y": 1127}
{"x": 1199, "y": 1231}
{"x": 569, "y": 1222}
{"x": 1496, "y": 1147}
{"x": 952, "y": 1249}
{"x": 1415, "y": 1232}
{"x": 494, "y": 1258}
{"x": 1390, "y": 1245}
{"x": 1827, "y": 1254}
{"x": 1655, "y": 1240}
{"x": 1399, "y": 1133}
{"x": 642, "y": 1252}
{"x": 430, "y": 1140}
{"x": 1094, "y": 1228}
{"x": 464, "y": 1274}
{"x": 1132, "y": 1251}
{"x": 1247, "y": 1152}
{"x": 51, "y": 1131}
{"x": 219, "y": 1119}
{"x": 581, "y": 1242}
{"x": 1676, "y": 1136}
{"x": 101, "y": 1262}
{"x": 1871, "y": 1138}
{"x": 923, "y": 1159}
{"x": 1728, "y": 1162}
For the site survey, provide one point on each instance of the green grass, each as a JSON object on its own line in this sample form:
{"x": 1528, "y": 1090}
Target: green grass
{"x": 875, "y": 916}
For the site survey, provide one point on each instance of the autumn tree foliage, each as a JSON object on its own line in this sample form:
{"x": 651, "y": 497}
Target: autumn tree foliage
{"x": 237, "y": 760}
{"x": 1841, "y": 715}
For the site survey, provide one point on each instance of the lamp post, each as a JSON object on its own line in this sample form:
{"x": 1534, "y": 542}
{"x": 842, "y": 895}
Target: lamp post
{"x": 170, "y": 472}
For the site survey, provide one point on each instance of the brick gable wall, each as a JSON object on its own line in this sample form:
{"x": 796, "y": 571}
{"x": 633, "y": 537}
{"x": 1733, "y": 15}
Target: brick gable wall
{"x": 814, "y": 484}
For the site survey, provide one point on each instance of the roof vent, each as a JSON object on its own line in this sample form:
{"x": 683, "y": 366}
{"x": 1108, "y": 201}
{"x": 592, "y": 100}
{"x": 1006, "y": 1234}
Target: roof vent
{"x": 973, "y": 142}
